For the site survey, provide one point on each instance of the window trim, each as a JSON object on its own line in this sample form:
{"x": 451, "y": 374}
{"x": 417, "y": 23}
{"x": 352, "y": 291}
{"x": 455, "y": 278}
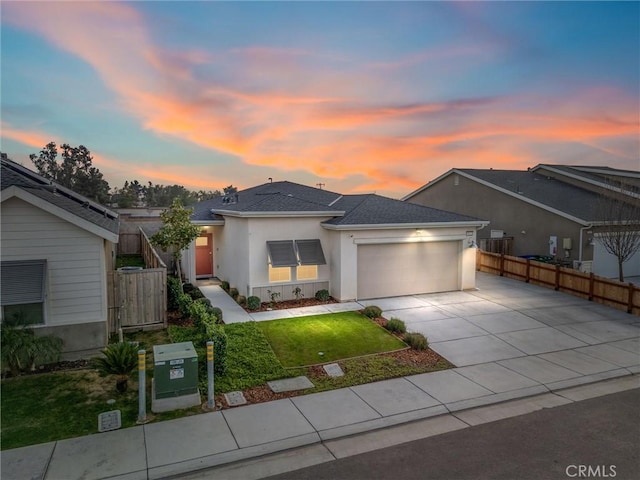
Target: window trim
{"x": 23, "y": 286}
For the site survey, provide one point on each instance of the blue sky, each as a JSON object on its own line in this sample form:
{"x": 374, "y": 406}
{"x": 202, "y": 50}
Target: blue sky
{"x": 361, "y": 96}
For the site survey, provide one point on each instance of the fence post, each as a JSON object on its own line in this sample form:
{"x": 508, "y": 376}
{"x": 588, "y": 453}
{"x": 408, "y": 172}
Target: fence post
{"x": 557, "y": 287}
{"x": 502, "y": 265}
{"x": 210, "y": 401}
{"x": 591, "y": 282}
{"x": 528, "y": 277}
{"x": 630, "y": 303}
{"x": 142, "y": 384}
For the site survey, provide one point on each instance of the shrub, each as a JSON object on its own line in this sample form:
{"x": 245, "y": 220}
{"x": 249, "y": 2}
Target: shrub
{"x": 184, "y": 304}
{"x": 22, "y": 349}
{"x": 217, "y": 312}
{"x": 204, "y": 300}
{"x": 417, "y": 341}
{"x": 372, "y": 311}
{"x": 196, "y": 293}
{"x": 242, "y": 300}
{"x": 297, "y": 292}
{"x": 253, "y": 302}
{"x": 207, "y": 329}
{"x": 396, "y": 325}
{"x": 323, "y": 295}
{"x": 188, "y": 287}
{"x": 225, "y": 285}
{"x": 233, "y": 292}
{"x": 118, "y": 359}
{"x": 173, "y": 291}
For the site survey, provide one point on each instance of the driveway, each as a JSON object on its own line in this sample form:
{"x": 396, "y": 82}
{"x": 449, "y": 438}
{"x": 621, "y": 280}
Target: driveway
{"x": 538, "y": 332}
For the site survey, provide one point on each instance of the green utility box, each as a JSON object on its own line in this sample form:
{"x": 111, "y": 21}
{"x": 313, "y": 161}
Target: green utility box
{"x": 175, "y": 370}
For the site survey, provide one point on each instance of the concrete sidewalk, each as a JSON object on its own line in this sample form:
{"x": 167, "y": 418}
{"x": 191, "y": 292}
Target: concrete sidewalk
{"x": 509, "y": 339}
{"x": 191, "y": 444}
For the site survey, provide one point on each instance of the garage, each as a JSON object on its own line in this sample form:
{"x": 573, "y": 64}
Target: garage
{"x": 395, "y": 269}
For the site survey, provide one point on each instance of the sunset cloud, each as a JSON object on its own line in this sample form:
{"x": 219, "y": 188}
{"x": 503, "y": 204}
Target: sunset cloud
{"x": 322, "y": 110}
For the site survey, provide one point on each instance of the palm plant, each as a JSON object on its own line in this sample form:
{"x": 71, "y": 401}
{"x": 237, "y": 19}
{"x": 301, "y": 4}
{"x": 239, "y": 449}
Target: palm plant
{"x": 119, "y": 359}
{"x": 22, "y": 349}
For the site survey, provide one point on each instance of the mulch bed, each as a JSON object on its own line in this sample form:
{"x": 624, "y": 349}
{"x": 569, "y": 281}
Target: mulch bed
{"x": 295, "y": 303}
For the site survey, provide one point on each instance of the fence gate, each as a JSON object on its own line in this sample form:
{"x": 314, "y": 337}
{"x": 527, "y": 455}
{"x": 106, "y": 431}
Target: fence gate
{"x": 137, "y": 298}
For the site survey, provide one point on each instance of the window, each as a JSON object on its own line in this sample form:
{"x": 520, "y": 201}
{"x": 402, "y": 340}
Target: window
{"x": 279, "y": 274}
{"x": 282, "y": 254}
{"x": 310, "y": 252}
{"x": 22, "y": 285}
{"x": 307, "y": 272}
{"x": 305, "y": 255}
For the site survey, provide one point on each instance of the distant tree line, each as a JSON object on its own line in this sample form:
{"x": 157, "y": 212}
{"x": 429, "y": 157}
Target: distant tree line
{"x": 72, "y": 167}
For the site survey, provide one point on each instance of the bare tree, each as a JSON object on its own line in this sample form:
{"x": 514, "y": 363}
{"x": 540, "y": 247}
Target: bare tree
{"x": 619, "y": 225}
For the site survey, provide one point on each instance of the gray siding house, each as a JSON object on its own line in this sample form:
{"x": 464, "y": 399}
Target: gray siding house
{"x": 548, "y": 210}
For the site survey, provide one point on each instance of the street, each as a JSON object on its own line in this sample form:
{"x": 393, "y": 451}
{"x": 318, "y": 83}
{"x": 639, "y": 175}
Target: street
{"x": 596, "y": 438}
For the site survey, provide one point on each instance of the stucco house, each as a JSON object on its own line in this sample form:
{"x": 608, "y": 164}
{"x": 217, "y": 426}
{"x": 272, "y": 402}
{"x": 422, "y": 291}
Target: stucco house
{"x": 547, "y": 210}
{"x": 57, "y": 247}
{"x": 280, "y": 236}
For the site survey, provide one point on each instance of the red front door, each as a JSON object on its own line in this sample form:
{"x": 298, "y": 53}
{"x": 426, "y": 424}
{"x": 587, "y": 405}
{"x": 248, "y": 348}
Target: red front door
{"x": 204, "y": 255}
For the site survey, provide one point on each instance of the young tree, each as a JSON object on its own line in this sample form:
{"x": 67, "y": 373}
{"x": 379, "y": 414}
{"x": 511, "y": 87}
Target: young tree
{"x": 75, "y": 170}
{"x": 619, "y": 226}
{"x": 177, "y": 232}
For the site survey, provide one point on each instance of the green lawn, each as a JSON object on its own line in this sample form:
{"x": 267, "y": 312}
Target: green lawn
{"x": 298, "y": 341}
{"x": 250, "y": 359}
{"x": 53, "y": 406}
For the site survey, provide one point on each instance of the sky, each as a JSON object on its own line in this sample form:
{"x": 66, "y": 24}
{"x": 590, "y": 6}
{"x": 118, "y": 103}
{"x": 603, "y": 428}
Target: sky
{"x": 359, "y": 97}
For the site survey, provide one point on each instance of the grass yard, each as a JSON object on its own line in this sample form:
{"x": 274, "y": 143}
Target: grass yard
{"x": 298, "y": 341}
{"x": 52, "y": 406}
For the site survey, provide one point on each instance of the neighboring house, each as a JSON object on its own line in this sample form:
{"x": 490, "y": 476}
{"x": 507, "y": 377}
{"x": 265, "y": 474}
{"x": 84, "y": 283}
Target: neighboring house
{"x": 276, "y": 237}
{"x": 548, "y": 210}
{"x": 57, "y": 247}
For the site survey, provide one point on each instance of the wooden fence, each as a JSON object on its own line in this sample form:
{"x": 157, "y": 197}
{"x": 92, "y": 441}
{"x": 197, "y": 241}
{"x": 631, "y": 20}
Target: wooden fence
{"x": 620, "y": 295}
{"x": 129, "y": 244}
{"x": 137, "y": 298}
{"x": 150, "y": 256}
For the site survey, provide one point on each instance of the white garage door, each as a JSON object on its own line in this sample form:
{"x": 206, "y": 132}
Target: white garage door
{"x": 394, "y": 269}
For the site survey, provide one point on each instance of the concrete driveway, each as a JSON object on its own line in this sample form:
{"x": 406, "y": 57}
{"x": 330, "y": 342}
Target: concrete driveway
{"x": 538, "y": 332}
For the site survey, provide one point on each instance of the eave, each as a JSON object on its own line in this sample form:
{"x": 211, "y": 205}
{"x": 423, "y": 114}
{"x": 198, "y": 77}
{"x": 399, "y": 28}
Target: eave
{"x": 400, "y": 226}
{"x": 294, "y": 214}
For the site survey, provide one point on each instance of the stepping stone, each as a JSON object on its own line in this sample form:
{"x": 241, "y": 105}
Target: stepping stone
{"x": 235, "y": 399}
{"x": 333, "y": 370}
{"x": 290, "y": 384}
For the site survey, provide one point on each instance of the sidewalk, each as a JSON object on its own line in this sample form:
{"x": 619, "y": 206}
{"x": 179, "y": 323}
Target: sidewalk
{"x": 510, "y": 341}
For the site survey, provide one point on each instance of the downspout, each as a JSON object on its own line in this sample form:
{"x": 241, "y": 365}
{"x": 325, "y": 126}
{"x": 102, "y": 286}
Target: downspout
{"x": 590, "y": 226}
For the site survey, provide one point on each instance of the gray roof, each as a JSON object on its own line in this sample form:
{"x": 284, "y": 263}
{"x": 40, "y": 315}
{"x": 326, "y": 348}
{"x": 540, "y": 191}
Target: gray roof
{"x": 371, "y": 209}
{"x": 553, "y": 193}
{"x": 13, "y": 174}
{"x": 287, "y": 197}
{"x": 604, "y": 176}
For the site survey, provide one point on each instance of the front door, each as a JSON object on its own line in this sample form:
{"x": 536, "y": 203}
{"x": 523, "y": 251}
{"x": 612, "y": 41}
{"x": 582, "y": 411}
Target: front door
{"x": 204, "y": 255}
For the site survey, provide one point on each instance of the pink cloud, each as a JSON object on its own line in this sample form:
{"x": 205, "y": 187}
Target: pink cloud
{"x": 286, "y": 113}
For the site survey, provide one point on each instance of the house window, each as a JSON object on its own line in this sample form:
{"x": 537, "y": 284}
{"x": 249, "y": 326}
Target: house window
{"x": 310, "y": 252}
{"x": 307, "y": 272}
{"x": 279, "y": 274}
{"x": 305, "y": 255}
{"x": 282, "y": 254}
{"x": 22, "y": 286}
